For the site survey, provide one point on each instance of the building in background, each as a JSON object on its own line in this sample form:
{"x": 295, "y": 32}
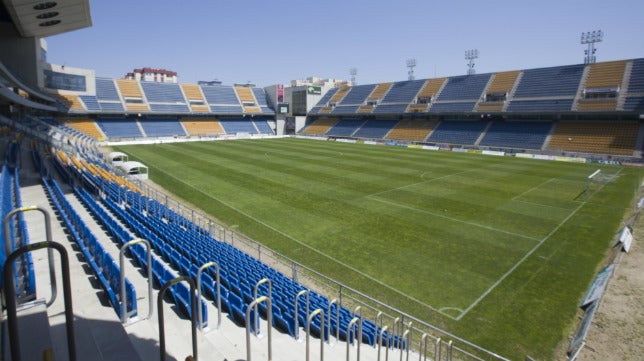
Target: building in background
{"x": 152, "y": 74}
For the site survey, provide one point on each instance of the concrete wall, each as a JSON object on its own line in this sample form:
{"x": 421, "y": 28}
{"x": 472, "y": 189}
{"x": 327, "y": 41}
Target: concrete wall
{"x": 20, "y": 55}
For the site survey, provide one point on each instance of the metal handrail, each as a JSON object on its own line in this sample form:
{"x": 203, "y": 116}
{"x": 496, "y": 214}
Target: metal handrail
{"x": 337, "y": 320}
{"x": 269, "y": 318}
{"x": 406, "y": 335}
{"x": 382, "y": 332}
{"x": 375, "y": 332}
{"x": 48, "y": 238}
{"x": 125, "y": 314}
{"x": 270, "y": 295}
{"x": 357, "y": 338}
{"x": 193, "y": 316}
{"x": 10, "y": 298}
{"x": 308, "y": 332}
{"x": 422, "y": 347}
{"x": 297, "y": 322}
{"x": 199, "y": 272}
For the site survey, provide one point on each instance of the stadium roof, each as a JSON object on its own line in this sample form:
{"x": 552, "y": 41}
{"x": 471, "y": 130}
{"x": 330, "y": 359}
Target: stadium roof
{"x": 46, "y": 18}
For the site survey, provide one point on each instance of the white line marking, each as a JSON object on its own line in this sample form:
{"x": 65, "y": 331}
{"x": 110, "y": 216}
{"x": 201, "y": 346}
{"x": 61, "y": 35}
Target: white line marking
{"x": 452, "y": 219}
{"x": 533, "y": 188}
{"x": 516, "y": 265}
{"x": 422, "y": 176}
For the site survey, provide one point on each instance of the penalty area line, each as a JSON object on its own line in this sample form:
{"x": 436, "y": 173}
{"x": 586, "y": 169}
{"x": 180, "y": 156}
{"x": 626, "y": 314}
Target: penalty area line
{"x": 525, "y": 257}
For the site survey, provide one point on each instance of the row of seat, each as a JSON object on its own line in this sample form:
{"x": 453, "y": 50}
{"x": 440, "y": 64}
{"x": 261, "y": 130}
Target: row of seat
{"x": 102, "y": 264}
{"x": 10, "y": 199}
{"x": 144, "y": 96}
{"x": 166, "y": 127}
{"x": 179, "y": 292}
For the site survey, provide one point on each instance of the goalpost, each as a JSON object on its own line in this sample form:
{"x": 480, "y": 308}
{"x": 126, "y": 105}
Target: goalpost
{"x": 592, "y": 179}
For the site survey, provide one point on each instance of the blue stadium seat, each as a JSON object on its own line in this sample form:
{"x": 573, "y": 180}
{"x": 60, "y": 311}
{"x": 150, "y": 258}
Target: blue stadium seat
{"x": 457, "y": 132}
{"x": 516, "y": 134}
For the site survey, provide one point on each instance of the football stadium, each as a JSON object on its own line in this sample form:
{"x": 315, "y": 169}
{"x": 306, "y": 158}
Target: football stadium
{"x": 466, "y": 217}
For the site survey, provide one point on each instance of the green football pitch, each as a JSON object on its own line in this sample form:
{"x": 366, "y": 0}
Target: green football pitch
{"x": 497, "y": 250}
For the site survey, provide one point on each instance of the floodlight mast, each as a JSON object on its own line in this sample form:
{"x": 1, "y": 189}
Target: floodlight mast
{"x": 411, "y": 64}
{"x": 590, "y": 38}
{"x": 353, "y": 72}
{"x": 470, "y": 55}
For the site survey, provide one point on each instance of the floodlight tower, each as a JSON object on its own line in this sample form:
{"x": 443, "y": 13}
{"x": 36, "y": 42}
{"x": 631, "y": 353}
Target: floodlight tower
{"x": 411, "y": 64}
{"x": 353, "y": 72}
{"x": 470, "y": 55}
{"x": 591, "y": 38}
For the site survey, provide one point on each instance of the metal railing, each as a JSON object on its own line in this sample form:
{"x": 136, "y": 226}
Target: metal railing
{"x": 11, "y": 304}
{"x": 48, "y": 238}
{"x": 269, "y": 319}
{"x": 199, "y": 292}
{"x": 125, "y": 314}
{"x": 193, "y": 316}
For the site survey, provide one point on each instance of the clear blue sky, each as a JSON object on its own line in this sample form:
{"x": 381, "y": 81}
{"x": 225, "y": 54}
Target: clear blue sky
{"x": 274, "y": 41}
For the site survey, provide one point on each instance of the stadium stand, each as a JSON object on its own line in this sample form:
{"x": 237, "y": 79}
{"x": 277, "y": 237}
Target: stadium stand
{"x": 84, "y": 125}
{"x": 195, "y": 98}
{"x": 636, "y": 81}
{"x": 165, "y": 97}
{"x": 466, "y": 87}
{"x": 550, "y": 82}
{"x": 238, "y": 125}
{"x": 432, "y": 88}
{"x": 452, "y": 107}
{"x": 498, "y": 91}
{"x": 606, "y": 75}
{"x": 544, "y": 105}
{"x": 379, "y": 92}
{"x": 319, "y": 126}
{"x": 202, "y": 126}
{"x": 91, "y": 103}
{"x": 412, "y": 130}
{"x": 403, "y": 92}
{"x": 390, "y": 108}
{"x": 375, "y": 129}
{"x": 73, "y": 101}
{"x": 516, "y": 134}
{"x": 605, "y": 137}
{"x": 357, "y": 95}
{"x": 345, "y": 127}
{"x": 119, "y": 127}
{"x": 339, "y": 94}
{"x": 162, "y": 127}
{"x": 220, "y": 94}
{"x": 247, "y": 99}
{"x": 604, "y": 81}
{"x": 324, "y": 101}
{"x": 262, "y": 126}
{"x": 108, "y": 96}
{"x": 132, "y": 95}
{"x": 260, "y": 96}
{"x": 457, "y": 132}
{"x": 345, "y": 109}
{"x": 635, "y": 103}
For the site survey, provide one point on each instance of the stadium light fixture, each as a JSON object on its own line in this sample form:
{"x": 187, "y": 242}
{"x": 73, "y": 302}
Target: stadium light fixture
{"x": 590, "y": 38}
{"x": 353, "y": 72}
{"x": 470, "y": 55}
{"x": 411, "y": 64}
